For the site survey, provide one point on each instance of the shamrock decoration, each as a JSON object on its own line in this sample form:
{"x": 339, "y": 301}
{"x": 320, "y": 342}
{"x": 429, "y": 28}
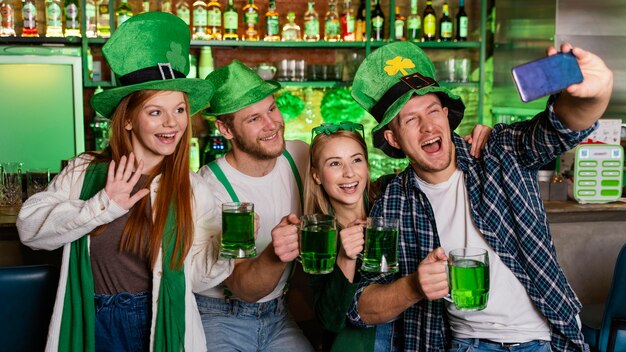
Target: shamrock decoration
{"x": 175, "y": 56}
{"x": 329, "y": 128}
{"x": 338, "y": 105}
{"x": 398, "y": 64}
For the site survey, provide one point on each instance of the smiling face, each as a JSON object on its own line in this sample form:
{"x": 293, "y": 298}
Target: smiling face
{"x": 422, "y": 131}
{"x": 341, "y": 169}
{"x": 158, "y": 127}
{"x": 256, "y": 130}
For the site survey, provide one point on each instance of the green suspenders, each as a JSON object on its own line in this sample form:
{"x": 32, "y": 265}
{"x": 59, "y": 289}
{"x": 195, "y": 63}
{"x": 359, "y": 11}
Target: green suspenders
{"x": 233, "y": 195}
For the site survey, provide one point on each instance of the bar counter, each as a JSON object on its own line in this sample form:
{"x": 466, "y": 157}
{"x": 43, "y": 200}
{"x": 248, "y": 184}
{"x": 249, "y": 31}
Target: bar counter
{"x": 587, "y": 237}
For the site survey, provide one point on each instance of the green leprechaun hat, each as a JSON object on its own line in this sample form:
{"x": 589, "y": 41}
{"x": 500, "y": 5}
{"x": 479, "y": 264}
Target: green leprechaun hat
{"x": 237, "y": 86}
{"x": 387, "y": 79}
{"x": 150, "y": 51}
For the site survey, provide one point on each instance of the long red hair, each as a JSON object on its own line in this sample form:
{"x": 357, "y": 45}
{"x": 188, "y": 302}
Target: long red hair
{"x": 174, "y": 187}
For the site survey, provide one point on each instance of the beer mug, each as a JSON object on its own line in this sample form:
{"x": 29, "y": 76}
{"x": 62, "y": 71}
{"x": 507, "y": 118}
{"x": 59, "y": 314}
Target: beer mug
{"x": 380, "y": 254}
{"x": 468, "y": 278}
{"x": 318, "y": 243}
{"x": 238, "y": 230}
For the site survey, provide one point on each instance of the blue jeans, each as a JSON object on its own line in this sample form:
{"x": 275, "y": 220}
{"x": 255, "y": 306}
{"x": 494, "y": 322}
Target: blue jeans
{"x": 123, "y": 321}
{"x": 234, "y": 325}
{"x": 482, "y": 345}
{"x": 384, "y": 338}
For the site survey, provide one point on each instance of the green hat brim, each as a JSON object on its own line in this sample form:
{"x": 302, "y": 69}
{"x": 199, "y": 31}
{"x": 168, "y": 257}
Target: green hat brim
{"x": 455, "y": 106}
{"x": 249, "y": 97}
{"x": 198, "y": 93}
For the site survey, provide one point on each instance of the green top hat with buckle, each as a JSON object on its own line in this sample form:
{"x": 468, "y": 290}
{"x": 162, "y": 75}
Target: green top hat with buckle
{"x": 150, "y": 51}
{"x": 236, "y": 87}
{"x": 389, "y": 77}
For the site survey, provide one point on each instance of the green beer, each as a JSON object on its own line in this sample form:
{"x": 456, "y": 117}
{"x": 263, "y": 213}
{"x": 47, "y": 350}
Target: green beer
{"x": 319, "y": 249}
{"x": 380, "y": 254}
{"x": 238, "y": 230}
{"x": 469, "y": 283}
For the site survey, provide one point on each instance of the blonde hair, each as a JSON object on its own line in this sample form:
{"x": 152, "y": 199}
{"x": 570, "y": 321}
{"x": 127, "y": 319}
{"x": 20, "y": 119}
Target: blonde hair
{"x": 316, "y": 199}
{"x": 174, "y": 187}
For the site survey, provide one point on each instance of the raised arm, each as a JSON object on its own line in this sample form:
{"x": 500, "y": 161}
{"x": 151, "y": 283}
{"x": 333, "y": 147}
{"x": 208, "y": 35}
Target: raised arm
{"x": 581, "y": 105}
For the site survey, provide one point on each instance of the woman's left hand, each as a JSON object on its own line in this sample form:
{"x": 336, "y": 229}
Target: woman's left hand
{"x": 352, "y": 239}
{"x": 478, "y": 139}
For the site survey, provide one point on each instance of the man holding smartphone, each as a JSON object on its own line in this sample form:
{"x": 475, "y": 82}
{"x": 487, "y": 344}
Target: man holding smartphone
{"x": 445, "y": 200}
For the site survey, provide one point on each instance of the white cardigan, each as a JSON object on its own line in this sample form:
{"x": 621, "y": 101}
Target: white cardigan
{"x": 57, "y": 217}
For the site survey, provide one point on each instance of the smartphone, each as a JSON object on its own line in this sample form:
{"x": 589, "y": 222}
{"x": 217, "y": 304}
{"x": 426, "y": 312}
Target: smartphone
{"x": 546, "y": 76}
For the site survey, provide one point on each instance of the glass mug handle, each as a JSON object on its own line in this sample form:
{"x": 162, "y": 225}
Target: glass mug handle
{"x": 448, "y": 297}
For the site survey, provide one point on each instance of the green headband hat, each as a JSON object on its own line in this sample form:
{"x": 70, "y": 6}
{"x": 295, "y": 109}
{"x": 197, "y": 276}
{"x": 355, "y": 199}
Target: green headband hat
{"x": 389, "y": 77}
{"x": 237, "y": 86}
{"x": 150, "y": 51}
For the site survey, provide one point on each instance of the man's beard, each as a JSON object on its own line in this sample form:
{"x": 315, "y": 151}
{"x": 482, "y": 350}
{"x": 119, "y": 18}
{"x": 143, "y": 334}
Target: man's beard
{"x": 256, "y": 150}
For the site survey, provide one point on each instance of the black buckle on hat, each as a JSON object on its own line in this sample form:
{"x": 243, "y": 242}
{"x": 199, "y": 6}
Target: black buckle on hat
{"x": 160, "y": 72}
{"x": 413, "y": 81}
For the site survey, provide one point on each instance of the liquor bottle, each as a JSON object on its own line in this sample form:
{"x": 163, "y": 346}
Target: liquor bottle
{"x": 311, "y": 24}
{"x": 184, "y": 12}
{"x": 231, "y": 22}
{"x": 271, "y": 23}
{"x": 251, "y": 19}
{"x": 413, "y": 23}
{"x": 123, "y": 12}
{"x": 398, "y": 24}
{"x": 378, "y": 22}
{"x": 359, "y": 33}
{"x": 331, "y": 23}
{"x": 199, "y": 20}
{"x": 166, "y": 6}
{"x": 7, "y": 28}
{"x": 461, "y": 22}
{"x": 205, "y": 64}
{"x": 90, "y": 18}
{"x": 291, "y": 31}
{"x": 103, "y": 24}
{"x": 347, "y": 23}
{"x": 214, "y": 20}
{"x": 29, "y": 15}
{"x": 72, "y": 19}
{"x": 430, "y": 22}
{"x": 145, "y": 6}
{"x": 445, "y": 24}
{"x": 54, "y": 27}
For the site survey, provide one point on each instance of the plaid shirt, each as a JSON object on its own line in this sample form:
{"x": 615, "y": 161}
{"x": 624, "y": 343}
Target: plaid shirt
{"x": 506, "y": 207}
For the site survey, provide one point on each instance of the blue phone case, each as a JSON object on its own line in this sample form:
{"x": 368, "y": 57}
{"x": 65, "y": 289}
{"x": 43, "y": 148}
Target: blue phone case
{"x": 546, "y": 76}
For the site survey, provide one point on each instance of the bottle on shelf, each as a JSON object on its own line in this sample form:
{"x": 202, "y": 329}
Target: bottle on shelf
{"x": 165, "y": 6}
{"x": 7, "y": 20}
{"x": 445, "y": 24}
{"x": 331, "y": 23}
{"x": 231, "y": 22}
{"x": 183, "y": 11}
{"x": 291, "y": 31}
{"x": 347, "y": 23}
{"x": 429, "y": 21}
{"x": 272, "y": 27}
{"x": 103, "y": 24}
{"x": 251, "y": 19}
{"x": 378, "y": 22}
{"x": 123, "y": 12}
{"x": 205, "y": 64}
{"x": 54, "y": 27}
{"x": 72, "y": 19}
{"x": 199, "y": 20}
{"x": 214, "y": 20}
{"x": 398, "y": 25}
{"x": 193, "y": 66}
{"x": 90, "y": 18}
{"x": 359, "y": 33}
{"x": 311, "y": 24}
{"x": 29, "y": 16}
{"x": 413, "y": 23}
{"x": 145, "y": 6}
{"x": 462, "y": 22}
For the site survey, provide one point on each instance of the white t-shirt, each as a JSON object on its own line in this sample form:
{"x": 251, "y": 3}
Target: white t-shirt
{"x": 274, "y": 196}
{"x": 510, "y": 315}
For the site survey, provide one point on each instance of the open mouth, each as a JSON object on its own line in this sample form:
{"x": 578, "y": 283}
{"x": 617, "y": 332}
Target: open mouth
{"x": 270, "y": 138}
{"x": 166, "y": 137}
{"x": 432, "y": 145}
{"x": 349, "y": 187}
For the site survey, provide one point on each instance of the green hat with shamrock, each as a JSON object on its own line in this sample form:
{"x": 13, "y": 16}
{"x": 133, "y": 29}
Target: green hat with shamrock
{"x": 389, "y": 77}
{"x": 150, "y": 51}
{"x": 236, "y": 87}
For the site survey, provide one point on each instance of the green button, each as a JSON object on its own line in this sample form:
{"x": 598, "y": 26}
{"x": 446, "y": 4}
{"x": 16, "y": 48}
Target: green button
{"x": 609, "y": 173}
{"x": 587, "y": 173}
{"x": 610, "y": 183}
{"x": 587, "y": 192}
{"x": 610, "y": 163}
{"x": 610, "y": 192}
{"x": 591, "y": 163}
{"x": 589, "y": 183}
